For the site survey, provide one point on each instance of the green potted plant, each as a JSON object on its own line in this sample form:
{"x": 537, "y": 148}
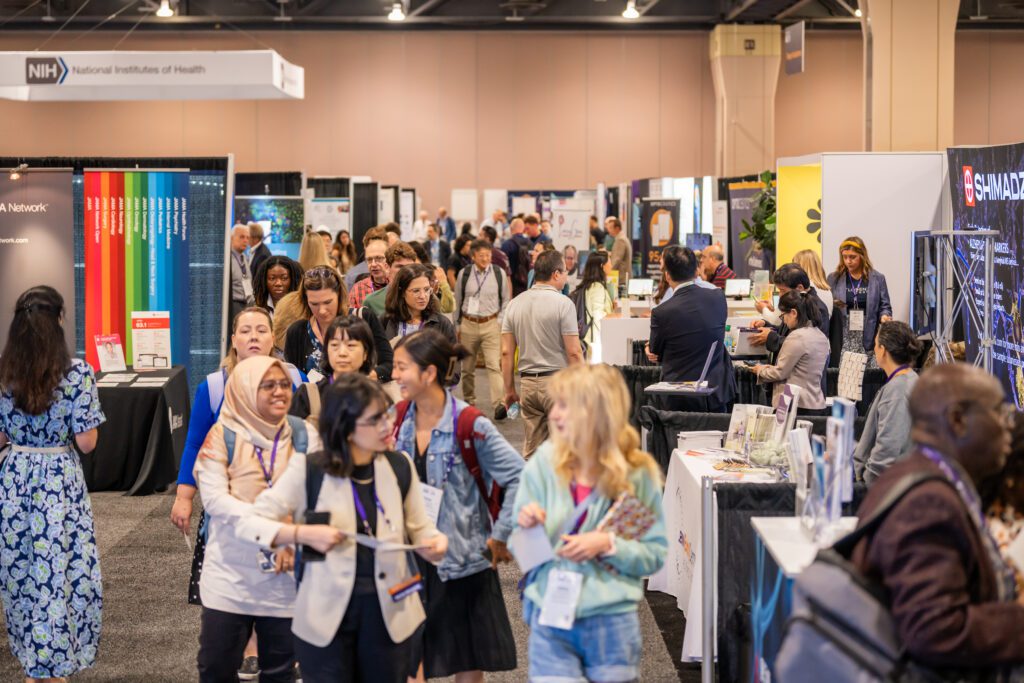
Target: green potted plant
{"x": 761, "y": 226}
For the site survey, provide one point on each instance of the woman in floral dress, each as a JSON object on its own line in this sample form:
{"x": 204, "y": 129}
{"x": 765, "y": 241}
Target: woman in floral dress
{"x": 49, "y": 564}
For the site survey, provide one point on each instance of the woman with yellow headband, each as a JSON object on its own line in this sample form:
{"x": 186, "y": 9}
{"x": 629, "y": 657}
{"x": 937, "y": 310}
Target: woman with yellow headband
{"x": 861, "y": 297}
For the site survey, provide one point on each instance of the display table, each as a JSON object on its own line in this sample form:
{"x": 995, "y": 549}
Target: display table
{"x": 781, "y": 551}
{"x": 615, "y": 336}
{"x": 140, "y": 445}
{"x": 681, "y": 574}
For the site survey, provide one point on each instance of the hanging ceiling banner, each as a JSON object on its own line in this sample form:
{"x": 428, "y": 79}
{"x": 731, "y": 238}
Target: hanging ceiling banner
{"x": 101, "y": 76}
{"x": 794, "y": 48}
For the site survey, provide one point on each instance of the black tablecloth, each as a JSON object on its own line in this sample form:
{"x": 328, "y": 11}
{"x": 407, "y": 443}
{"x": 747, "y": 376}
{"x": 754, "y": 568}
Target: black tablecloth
{"x": 140, "y": 444}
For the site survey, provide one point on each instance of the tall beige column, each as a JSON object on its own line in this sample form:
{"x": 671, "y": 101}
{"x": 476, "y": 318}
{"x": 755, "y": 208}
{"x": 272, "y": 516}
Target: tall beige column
{"x": 745, "y": 70}
{"x": 908, "y": 74}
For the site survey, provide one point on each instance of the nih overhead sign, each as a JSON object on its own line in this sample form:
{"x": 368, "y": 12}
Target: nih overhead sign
{"x": 100, "y": 76}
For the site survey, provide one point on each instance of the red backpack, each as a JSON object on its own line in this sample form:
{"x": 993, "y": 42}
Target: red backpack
{"x": 465, "y": 436}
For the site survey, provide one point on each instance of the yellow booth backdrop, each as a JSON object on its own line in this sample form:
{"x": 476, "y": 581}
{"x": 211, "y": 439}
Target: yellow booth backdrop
{"x": 798, "y": 202}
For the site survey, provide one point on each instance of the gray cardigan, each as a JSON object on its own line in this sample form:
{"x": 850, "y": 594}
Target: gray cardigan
{"x": 886, "y": 435}
{"x": 801, "y": 361}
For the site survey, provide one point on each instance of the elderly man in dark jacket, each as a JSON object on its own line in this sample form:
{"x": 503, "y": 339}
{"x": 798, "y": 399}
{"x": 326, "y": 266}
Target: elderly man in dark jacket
{"x": 950, "y": 594}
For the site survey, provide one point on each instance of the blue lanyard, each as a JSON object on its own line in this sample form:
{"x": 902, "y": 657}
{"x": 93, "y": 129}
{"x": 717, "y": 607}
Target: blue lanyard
{"x": 269, "y": 475}
{"x": 361, "y": 511}
{"x": 403, "y": 328}
{"x": 479, "y": 279}
{"x": 855, "y": 288}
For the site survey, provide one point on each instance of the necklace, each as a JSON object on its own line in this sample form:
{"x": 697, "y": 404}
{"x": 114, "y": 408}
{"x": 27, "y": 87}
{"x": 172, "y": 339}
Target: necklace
{"x": 363, "y": 481}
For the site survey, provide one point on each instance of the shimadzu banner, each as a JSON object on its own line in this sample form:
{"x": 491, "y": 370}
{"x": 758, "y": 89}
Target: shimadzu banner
{"x": 987, "y": 193}
{"x": 36, "y": 241}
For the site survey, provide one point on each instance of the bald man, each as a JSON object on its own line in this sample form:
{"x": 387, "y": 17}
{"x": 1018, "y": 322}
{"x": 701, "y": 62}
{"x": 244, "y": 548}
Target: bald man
{"x": 942, "y": 573}
{"x": 517, "y": 248}
{"x": 241, "y": 271}
{"x": 713, "y": 266}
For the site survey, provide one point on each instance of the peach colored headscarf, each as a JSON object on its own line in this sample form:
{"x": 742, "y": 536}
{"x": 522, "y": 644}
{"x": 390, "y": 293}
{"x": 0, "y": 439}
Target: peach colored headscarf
{"x": 239, "y": 413}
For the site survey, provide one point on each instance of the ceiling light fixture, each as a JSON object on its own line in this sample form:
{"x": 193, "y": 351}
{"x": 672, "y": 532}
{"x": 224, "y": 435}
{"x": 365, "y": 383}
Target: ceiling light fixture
{"x": 857, "y": 13}
{"x": 630, "y": 12}
{"x": 49, "y": 17}
{"x": 396, "y": 13}
{"x": 18, "y": 170}
{"x": 165, "y": 11}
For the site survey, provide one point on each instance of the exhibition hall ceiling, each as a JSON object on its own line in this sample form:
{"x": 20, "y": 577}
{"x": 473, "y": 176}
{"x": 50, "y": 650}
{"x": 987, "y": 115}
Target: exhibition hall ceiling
{"x": 114, "y": 15}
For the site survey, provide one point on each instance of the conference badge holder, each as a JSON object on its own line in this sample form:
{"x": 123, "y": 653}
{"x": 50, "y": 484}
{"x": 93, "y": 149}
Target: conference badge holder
{"x": 856, "y": 320}
{"x": 560, "y": 599}
{"x": 266, "y": 560}
{"x": 402, "y": 590}
{"x": 432, "y": 501}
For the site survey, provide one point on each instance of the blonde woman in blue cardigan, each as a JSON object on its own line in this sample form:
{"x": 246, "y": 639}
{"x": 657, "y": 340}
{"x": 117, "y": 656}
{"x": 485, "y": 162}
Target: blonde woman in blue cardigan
{"x": 582, "y": 605}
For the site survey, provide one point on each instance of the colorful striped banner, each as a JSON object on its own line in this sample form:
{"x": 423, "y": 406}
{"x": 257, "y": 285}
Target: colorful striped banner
{"x": 136, "y": 254}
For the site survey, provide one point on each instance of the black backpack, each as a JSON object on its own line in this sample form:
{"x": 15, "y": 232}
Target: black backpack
{"x": 521, "y": 271}
{"x": 583, "y": 318}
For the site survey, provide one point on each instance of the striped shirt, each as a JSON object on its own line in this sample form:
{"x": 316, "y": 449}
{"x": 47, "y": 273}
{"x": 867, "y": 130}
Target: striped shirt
{"x": 722, "y": 273}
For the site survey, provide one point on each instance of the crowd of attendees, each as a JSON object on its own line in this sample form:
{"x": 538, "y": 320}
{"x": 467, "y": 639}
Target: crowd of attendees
{"x": 357, "y": 496}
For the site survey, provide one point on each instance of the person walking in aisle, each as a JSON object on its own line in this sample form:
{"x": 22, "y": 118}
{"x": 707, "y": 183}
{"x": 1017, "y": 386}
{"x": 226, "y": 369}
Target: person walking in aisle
{"x": 438, "y": 249}
{"x": 467, "y": 630}
{"x": 598, "y": 299}
{"x": 49, "y": 564}
{"x": 569, "y": 487}
{"x": 375, "y": 245}
{"x": 412, "y": 306}
{"x": 621, "y": 251}
{"x": 517, "y": 249}
{"x": 321, "y": 294}
{"x": 275, "y": 278}
{"x": 245, "y": 452}
{"x": 481, "y": 295}
{"x": 344, "y": 252}
{"x": 445, "y": 224}
{"x": 861, "y": 297}
{"x": 460, "y": 259}
{"x": 886, "y": 435}
{"x": 498, "y": 257}
{"x": 398, "y": 256}
{"x": 258, "y": 251}
{"x": 357, "y": 610}
{"x": 241, "y": 271}
{"x": 541, "y": 325}
{"x": 349, "y": 350}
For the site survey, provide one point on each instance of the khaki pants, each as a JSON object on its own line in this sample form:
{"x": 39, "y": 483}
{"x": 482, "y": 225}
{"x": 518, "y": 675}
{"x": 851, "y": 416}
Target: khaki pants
{"x": 484, "y": 338}
{"x": 534, "y": 405}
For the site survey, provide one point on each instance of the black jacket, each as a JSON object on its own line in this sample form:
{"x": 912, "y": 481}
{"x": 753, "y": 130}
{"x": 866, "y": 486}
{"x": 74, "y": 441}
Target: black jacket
{"x": 438, "y": 322}
{"x": 259, "y": 255}
{"x": 297, "y": 345}
{"x": 682, "y": 331}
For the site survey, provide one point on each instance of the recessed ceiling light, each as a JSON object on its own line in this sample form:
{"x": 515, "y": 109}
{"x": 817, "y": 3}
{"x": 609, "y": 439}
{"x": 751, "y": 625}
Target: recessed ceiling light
{"x": 165, "y": 11}
{"x": 630, "y": 12}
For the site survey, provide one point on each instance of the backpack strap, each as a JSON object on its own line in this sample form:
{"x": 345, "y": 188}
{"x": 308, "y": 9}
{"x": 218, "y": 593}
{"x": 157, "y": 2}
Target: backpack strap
{"x": 229, "y": 440}
{"x": 845, "y": 545}
{"x": 466, "y": 437}
{"x": 215, "y": 382}
{"x": 401, "y": 409}
{"x": 498, "y": 276}
{"x": 463, "y": 283}
{"x": 300, "y": 435}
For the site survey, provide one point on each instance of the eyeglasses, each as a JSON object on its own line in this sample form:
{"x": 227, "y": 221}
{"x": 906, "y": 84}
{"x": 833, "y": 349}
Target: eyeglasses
{"x": 320, "y": 277}
{"x": 270, "y": 385}
{"x": 376, "y": 259}
{"x": 382, "y": 421}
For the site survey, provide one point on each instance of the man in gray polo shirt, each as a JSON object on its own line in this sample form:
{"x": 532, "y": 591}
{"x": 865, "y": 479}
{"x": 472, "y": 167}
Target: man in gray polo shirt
{"x": 541, "y": 323}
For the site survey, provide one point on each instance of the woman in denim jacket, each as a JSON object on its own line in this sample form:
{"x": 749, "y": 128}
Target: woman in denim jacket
{"x": 467, "y": 630}
{"x": 569, "y": 486}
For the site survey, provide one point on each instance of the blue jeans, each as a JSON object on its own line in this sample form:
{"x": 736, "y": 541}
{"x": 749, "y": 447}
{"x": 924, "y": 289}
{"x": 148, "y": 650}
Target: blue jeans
{"x": 602, "y": 649}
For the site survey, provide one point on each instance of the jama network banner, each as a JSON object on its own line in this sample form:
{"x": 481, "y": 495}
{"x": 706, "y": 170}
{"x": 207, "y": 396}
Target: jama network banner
{"x": 136, "y": 254}
{"x": 987, "y": 190}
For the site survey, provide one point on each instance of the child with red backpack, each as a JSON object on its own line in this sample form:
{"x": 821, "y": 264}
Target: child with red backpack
{"x": 469, "y": 474}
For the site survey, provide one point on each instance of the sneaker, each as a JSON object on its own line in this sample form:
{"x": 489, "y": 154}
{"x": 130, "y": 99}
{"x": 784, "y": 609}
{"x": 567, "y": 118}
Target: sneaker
{"x": 250, "y": 669}
{"x": 500, "y": 413}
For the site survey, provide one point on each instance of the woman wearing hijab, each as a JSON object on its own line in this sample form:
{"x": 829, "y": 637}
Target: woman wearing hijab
{"x": 245, "y": 453}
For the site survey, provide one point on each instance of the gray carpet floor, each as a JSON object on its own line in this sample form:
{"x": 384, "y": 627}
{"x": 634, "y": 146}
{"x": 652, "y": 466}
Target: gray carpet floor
{"x": 150, "y": 633}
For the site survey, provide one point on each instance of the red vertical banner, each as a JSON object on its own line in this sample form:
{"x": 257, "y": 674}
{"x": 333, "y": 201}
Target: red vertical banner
{"x": 104, "y": 251}
{"x": 117, "y": 288}
{"x": 93, "y": 266}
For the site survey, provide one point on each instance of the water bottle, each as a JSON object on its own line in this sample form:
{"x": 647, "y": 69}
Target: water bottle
{"x": 728, "y": 338}
{"x": 513, "y": 411}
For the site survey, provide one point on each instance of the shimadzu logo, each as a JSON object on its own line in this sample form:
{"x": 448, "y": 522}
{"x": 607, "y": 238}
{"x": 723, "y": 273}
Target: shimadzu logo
{"x": 980, "y": 187}
{"x": 45, "y": 70}
{"x": 13, "y": 207}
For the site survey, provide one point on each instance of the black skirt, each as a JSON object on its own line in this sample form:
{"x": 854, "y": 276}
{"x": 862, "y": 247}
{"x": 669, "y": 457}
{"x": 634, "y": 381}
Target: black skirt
{"x": 467, "y": 627}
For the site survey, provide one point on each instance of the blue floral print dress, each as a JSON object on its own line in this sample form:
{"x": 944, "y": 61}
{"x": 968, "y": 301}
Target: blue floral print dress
{"x": 49, "y": 565}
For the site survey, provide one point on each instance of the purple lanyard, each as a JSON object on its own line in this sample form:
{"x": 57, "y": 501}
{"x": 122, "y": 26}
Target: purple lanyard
{"x": 966, "y": 491}
{"x": 583, "y": 517}
{"x": 269, "y": 475}
{"x": 361, "y": 511}
{"x": 403, "y": 328}
{"x": 855, "y": 288}
{"x": 479, "y": 279}
{"x": 897, "y": 371}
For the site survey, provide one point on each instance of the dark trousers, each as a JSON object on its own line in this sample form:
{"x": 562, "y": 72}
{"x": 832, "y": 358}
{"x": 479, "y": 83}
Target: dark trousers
{"x": 362, "y": 651}
{"x": 222, "y": 639}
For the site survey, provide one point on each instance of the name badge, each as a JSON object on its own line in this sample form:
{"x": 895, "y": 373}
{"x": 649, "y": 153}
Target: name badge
{"x": 857, "y": 320}
{"x": 247, "y": 288}
{"x": 314, "y": 376}
{"x": 473, "y": 305}
{"x": 560, "y": 599}
{"x": 266, "y": 561}
{"x": 400, "y": 591}
{"x": 432, "y": 501}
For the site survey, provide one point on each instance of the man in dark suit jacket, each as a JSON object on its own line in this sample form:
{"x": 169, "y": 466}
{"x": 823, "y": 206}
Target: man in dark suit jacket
{"x": 257, "y": 250}
{"x": 683, "y": 330}
{"x": 439, "y": 251}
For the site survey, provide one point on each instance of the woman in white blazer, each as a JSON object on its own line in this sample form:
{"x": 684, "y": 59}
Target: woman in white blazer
{"x": 356, "y": 610}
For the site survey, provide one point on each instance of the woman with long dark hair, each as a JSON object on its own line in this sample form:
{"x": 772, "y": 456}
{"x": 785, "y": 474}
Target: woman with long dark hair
{"x": 344, "y": 251}
{"x": 412, "y": 306}
{"x": 324, "y": 298}
{"x": 349, "y": 349}
{"x": 467, "y": 630}
{"x": 598, "y": 298}
{"x": 275, "y": 278}
{"x": 49, "y": 564}
{"x": 357, "y": 610}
